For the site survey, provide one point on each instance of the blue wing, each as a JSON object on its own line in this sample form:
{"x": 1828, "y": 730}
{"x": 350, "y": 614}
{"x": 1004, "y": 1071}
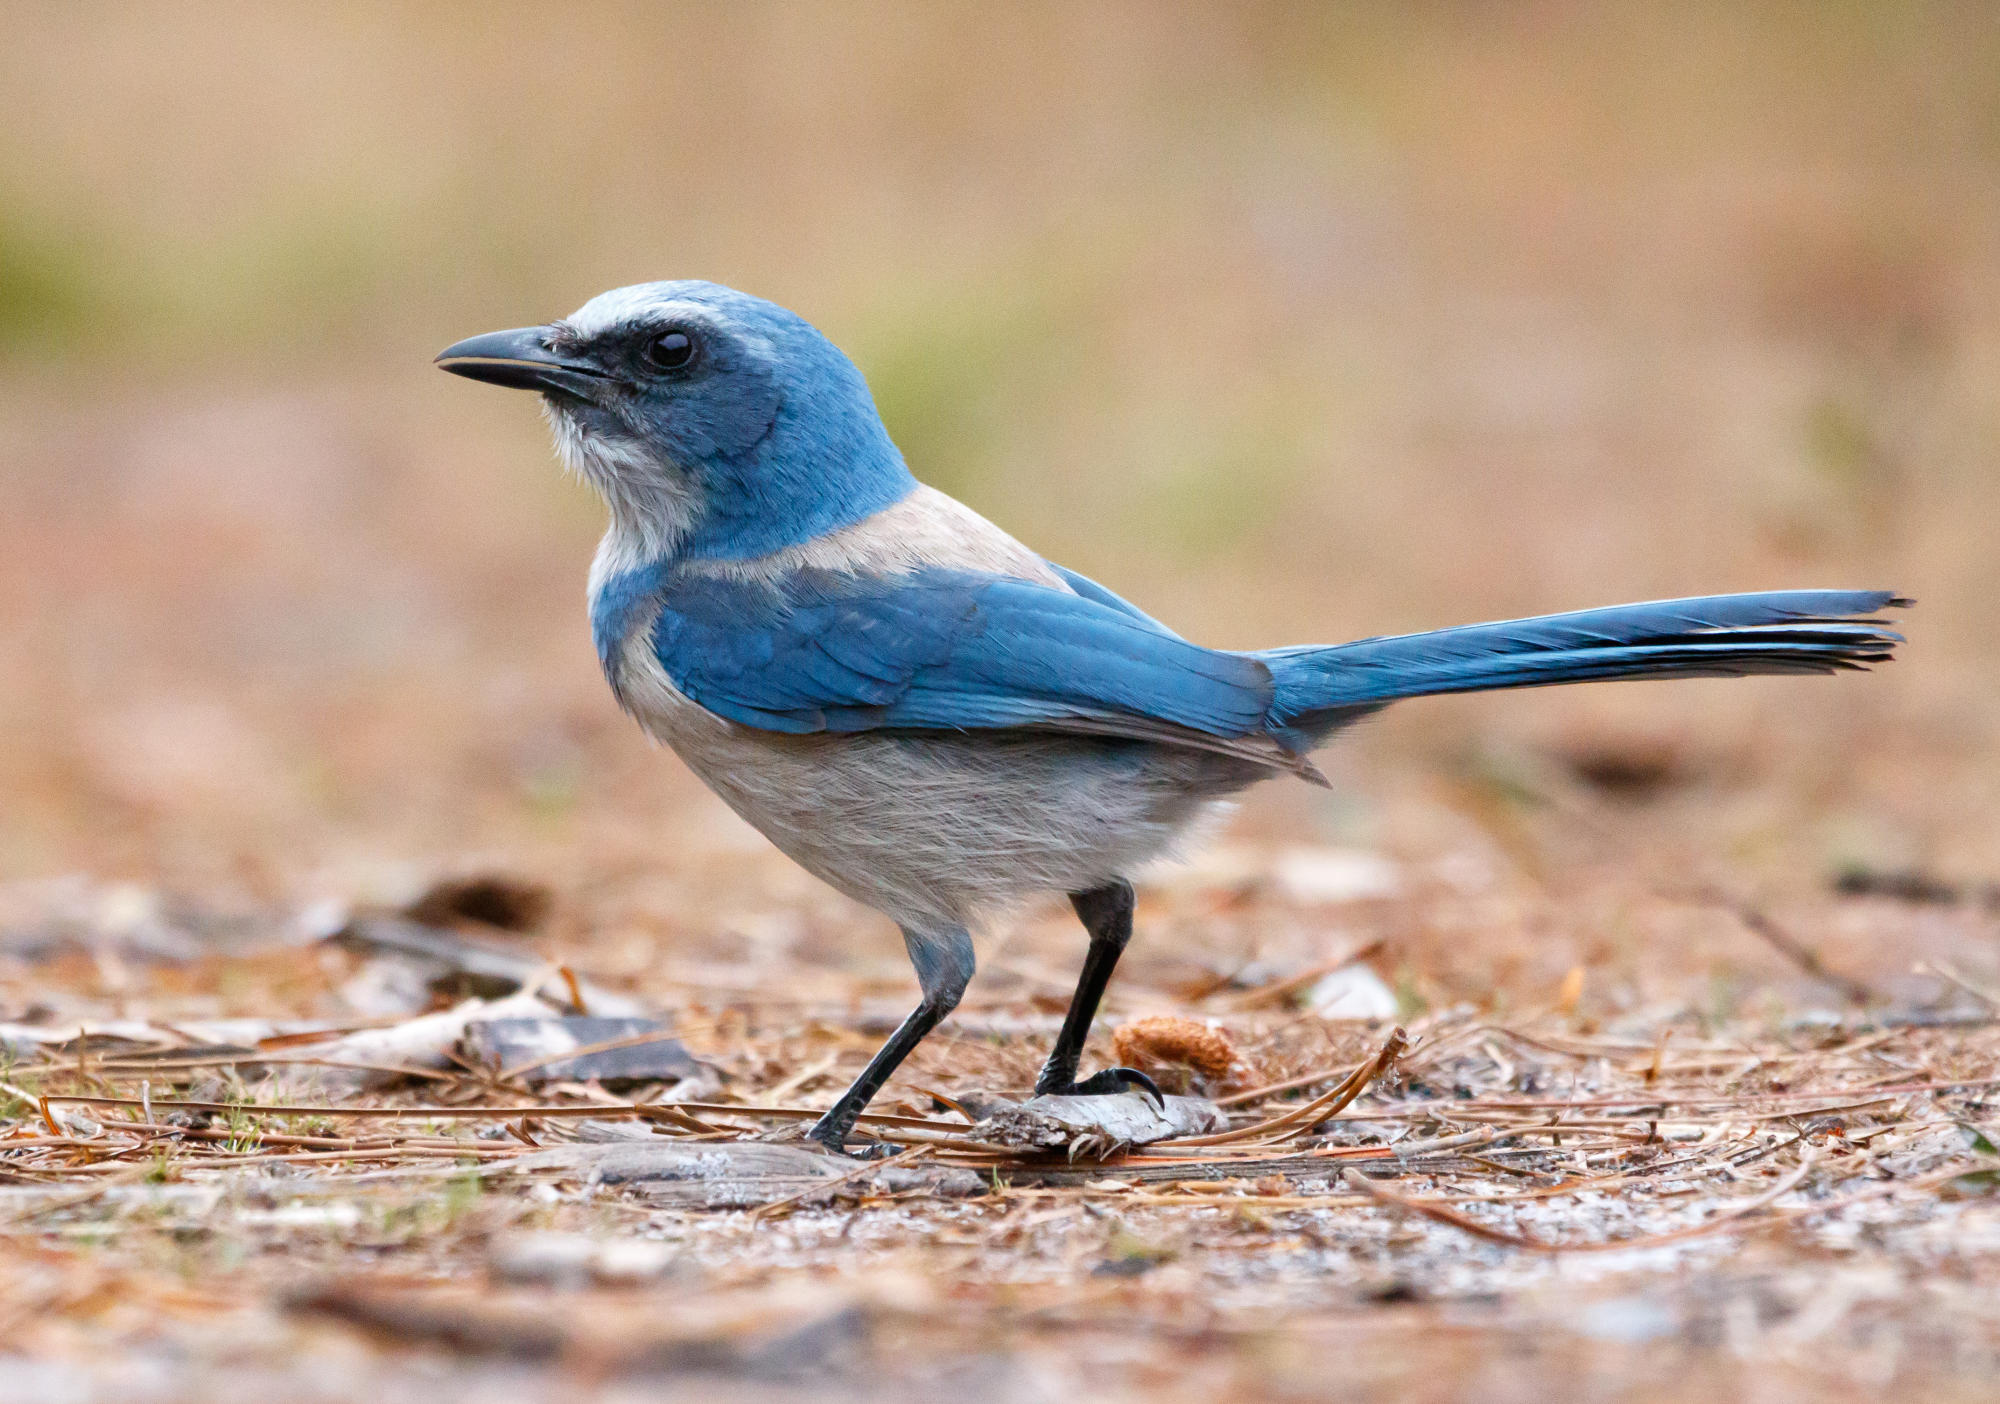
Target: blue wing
{"x": 949, "y": 650}
{"x": 1091, "y": 590}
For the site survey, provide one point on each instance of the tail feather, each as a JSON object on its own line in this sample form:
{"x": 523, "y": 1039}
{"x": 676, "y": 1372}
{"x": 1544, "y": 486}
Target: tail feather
{"x": 1783, "y": 631}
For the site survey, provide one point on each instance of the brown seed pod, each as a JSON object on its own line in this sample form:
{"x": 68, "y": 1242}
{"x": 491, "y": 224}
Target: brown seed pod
{"x": 1164, "y": 1041}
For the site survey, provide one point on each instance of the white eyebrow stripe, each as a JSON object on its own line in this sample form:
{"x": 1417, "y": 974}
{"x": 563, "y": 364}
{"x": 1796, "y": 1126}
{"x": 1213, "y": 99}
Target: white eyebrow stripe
{"x": 633, "y": 307}
{"x": 618, "y": 307}
{"x": 630, "y": 306}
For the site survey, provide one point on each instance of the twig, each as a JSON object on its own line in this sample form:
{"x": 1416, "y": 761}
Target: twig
{"x": 1320, "y": 1108}
{"x": 642, "y": 1109}
{"x": 1795, "y": 950}
{"x": 1275, "y": 1089}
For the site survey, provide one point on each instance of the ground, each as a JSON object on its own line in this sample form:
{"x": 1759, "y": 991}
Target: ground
{"x": 1623, "y": 1198}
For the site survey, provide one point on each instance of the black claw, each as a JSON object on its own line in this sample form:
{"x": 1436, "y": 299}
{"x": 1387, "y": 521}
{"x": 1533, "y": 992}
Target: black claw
{"x": 1110, "y": 1081}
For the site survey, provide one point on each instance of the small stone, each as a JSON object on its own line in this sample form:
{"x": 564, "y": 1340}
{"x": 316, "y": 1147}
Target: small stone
{"x": 1352, "y": 992}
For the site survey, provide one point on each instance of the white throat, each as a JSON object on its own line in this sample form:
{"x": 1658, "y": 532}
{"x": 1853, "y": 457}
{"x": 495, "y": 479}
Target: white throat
{"x": 652, "y": 508}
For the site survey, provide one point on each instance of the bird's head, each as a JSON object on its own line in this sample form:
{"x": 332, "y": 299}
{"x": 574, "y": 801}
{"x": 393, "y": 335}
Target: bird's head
{"x": 715, "y": 424}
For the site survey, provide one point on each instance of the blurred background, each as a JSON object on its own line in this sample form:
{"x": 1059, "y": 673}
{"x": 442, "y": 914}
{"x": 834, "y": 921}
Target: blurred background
{"x": 1291, "y": 322}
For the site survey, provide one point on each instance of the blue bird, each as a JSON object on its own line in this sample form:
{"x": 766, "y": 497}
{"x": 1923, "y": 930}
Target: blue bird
{"x": 922, "y": 711}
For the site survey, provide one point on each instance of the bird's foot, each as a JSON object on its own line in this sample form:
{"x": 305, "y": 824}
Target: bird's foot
{"x": 860, "y": 1150}
{"x": 1108, "y": 1082}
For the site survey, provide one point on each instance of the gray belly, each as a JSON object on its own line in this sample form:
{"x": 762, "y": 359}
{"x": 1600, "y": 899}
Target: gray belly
{"x": 943, "y": 827}
{"x": 933, "y": 828}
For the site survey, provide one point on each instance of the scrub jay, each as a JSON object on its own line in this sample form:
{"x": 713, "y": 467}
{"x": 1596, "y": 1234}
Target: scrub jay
{"x": 922, "y": 711}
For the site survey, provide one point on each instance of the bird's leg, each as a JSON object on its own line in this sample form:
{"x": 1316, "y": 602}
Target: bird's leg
{"x": 944, "y": 968}
{"x": 1106, "y": 913}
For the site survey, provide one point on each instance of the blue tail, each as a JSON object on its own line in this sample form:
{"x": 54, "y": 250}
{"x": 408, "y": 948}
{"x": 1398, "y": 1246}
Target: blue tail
{"x": 1321, "y": 687}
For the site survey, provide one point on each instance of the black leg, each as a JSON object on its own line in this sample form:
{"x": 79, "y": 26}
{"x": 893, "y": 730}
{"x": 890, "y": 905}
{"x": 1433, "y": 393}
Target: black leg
{"x": 1106, "y": 913}
{"x": 944, "y": 968}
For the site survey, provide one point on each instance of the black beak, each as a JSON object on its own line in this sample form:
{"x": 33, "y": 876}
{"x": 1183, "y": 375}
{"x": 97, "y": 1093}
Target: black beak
{"x": 521, "y": 360}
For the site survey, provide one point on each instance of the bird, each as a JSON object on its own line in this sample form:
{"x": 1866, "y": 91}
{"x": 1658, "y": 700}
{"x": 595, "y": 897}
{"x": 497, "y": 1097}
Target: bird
{"x": 925, "y": 713}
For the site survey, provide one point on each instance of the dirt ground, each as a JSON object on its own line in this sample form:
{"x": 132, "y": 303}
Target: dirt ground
{"x": 1286, "y": 325}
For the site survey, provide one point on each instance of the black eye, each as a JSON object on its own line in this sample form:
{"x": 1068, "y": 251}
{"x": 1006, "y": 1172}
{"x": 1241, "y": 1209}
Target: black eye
{"x": 670, "y": 351}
